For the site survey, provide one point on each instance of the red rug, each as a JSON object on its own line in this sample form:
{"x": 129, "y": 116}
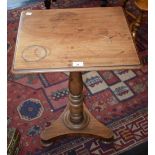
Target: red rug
{"x": 116, "y": 98}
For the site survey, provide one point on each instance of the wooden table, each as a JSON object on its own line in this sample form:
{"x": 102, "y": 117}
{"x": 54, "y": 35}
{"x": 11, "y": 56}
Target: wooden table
{"x": 74, "y": 40}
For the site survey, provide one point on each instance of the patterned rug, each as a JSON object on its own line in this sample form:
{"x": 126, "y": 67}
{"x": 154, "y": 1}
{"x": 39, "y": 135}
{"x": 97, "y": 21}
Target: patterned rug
{"x": 116, "y": 98}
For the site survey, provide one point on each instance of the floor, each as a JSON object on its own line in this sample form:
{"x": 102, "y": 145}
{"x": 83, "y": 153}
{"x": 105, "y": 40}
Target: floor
{"x": 12, "y": 4}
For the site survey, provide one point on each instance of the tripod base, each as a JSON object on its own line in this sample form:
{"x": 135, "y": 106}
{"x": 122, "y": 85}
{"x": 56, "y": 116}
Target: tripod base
{"x": 93, "y": 128}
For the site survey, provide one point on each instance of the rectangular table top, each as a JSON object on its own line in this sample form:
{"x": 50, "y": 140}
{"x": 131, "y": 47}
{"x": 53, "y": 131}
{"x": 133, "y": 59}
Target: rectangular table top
{"x": 81, "y": 39}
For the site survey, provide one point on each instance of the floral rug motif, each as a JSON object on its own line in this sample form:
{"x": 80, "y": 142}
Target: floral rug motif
{"x": 116, "y": 98}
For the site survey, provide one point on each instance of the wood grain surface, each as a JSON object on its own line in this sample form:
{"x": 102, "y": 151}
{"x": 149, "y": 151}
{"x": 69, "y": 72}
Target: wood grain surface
{"x": 80, "y": 39}
{"x": 142, "y": 4}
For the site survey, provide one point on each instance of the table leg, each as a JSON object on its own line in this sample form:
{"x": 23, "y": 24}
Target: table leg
{"x": 76, "y": 119}
{"x": 104, "y": 3}
{"x": 134, "y": 26}
{"x": 47, "y": 4}
{"x": 125, "y": 3}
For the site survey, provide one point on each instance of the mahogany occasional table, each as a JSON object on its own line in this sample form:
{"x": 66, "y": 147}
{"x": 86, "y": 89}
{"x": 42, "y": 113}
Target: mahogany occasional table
{"x": 74, "y": 40}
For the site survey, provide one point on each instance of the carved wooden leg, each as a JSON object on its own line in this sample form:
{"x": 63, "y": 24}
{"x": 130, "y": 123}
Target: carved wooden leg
{"x": 76, "y": 119}
{"x": 124, "y": 3}
{"x": 136, "y": 25}
{"x": 104, "y": 3}
{"x": 47, "y": 4}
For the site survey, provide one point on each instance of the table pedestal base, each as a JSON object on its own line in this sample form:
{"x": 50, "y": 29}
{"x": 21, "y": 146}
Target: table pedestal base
{"x": 76, "y": 119}
{"x": 94, "y": 128}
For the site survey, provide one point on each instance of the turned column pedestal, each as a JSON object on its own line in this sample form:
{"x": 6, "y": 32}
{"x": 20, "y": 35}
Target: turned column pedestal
{"x": 76, "y": 119}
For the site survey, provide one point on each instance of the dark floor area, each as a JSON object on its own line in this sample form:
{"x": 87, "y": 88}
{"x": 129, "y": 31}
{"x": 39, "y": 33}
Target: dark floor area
{"x": 141, "y": 149}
